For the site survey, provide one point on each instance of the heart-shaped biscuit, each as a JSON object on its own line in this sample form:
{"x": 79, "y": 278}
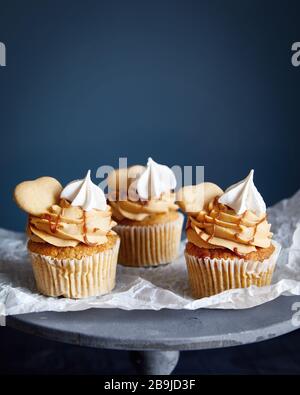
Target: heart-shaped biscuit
{"x": 117, "y": 178}
{"x": 134, "y": 172}
{"x": 193, "y": 198}
{"x": 121, "y": 179}
{"x": 35, "y": 197}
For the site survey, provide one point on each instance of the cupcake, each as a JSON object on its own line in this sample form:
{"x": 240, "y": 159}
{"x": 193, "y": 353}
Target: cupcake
{"x": 143, "y": 204}
{"x": 228, "y": 237}
{"x": 72, "y": 246}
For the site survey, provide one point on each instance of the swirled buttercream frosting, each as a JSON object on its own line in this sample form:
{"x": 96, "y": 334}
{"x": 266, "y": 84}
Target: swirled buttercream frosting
{"x": 217, "y": 225}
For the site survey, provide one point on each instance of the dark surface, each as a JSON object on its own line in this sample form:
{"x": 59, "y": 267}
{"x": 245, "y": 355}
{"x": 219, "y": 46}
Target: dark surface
{"x": 27, "y": 354}
{"x": 188, "y": 82}
{"x": 164, "y": 329}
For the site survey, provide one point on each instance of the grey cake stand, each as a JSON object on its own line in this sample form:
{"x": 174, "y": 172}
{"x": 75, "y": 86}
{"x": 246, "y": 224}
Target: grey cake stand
{"x": 156, "y": 337}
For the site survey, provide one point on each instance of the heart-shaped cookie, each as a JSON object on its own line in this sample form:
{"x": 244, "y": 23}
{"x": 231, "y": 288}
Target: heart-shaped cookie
{"x": 121, "y": 179}
{"x": 116, "y": 179}
{"x": 193, "y": 198}
{"x": 134, "y": 172}
{"x": 35, "y": 197}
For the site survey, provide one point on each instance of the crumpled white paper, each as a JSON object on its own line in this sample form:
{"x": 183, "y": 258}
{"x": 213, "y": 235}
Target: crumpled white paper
{"x": 153, "y": 288}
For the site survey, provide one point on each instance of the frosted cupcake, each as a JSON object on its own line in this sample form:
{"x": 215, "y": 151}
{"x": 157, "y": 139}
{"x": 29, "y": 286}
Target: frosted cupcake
{"x": 143, "y": 204}
{"x": 72, "y": 246}
{"x": 229, "y": 239}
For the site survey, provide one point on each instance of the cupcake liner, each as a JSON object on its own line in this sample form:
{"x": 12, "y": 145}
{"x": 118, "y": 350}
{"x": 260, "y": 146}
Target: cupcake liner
{"x": 149, "y": 245}
{"x": 209, "y": 277}
{"x": 76, "y": 278}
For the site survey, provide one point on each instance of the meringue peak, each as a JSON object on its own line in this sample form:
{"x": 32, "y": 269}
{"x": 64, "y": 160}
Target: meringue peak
{"x": 155, "y": 180}
{"x": 85, "y": 194}
{"x": 244, "y": 196}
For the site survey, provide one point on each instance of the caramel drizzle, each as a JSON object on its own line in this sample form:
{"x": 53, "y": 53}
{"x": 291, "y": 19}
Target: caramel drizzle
{"x": 53, "y": 225}
{"x": 214, "y": 227}
{"x": 236, "y": 235}
{"x": 235, "y": 250}
{"x": 144, "y": 202}
{"x": 242, "y": 217}
{"x": 215, "y": 201}
{"x": 212, "y": 234}
{"x": 84, "y": 228}
{"x": 255, "y": 228}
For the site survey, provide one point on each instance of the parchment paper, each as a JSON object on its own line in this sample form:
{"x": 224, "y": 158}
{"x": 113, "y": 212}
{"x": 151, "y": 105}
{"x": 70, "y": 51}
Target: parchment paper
{"x": 154, "y": 288}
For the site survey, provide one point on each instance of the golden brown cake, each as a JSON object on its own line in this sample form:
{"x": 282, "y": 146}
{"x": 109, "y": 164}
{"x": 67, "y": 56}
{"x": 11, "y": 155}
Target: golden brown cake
{"x": 221, "y": 253}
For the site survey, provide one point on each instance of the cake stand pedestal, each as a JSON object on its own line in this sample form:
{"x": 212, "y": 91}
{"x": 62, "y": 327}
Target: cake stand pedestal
{"x": 156, "y": 337}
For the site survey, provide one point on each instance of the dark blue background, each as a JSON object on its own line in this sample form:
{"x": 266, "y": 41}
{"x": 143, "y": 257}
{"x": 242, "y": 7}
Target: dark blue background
{"x": 187, "y": 82}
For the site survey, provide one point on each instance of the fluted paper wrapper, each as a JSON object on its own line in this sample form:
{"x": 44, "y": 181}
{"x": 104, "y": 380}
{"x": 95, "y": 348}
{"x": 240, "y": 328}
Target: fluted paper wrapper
{"x": 154, "y": 288}
{"x": 149, "y": 245}
{"x": 209, "y": 277}
{"x": 76, "y": 278}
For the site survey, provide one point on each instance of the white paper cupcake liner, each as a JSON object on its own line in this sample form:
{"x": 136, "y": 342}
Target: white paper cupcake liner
{"x": 149, "y": 245}
{"x": 212, "y": 276}
{"x": 76, "y": 278}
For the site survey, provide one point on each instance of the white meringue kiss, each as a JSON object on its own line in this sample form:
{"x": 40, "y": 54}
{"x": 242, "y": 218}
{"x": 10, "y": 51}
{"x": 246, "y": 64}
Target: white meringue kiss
{"x": 244, "y": 196}
{"x": 155, "y": 180}
{"x": 85, "y": 194}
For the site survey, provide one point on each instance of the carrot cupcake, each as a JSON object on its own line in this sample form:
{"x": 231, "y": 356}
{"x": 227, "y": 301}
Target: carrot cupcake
{"x": 229, "y": 239}
{"x": 72, "y": 246}
{"x": 143, "y": 204}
